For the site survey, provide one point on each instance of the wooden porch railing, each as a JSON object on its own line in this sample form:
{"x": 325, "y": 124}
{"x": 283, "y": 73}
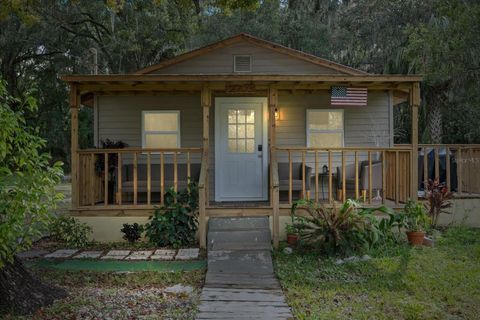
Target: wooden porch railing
{"x": 368, "y": 174}
{"x": 458, "y": 165}
{"x": 101, "y": 170}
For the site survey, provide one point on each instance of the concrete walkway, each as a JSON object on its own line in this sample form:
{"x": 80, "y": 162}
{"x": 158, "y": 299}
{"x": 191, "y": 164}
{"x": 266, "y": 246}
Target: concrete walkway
{"x": 240, "y": 283}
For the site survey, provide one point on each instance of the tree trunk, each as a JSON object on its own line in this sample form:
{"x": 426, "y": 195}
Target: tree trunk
{"x": 23, "y": 293}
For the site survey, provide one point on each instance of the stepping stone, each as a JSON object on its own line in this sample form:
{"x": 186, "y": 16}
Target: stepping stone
{"x": 116, "y": 254}
{"x": 187, "y": 254}
{"x": 163, "y": 254}
{"x": 32, "y": 254}
{"x": 88, "y": 255}
{"x": 62, "y": 253}
{"x": 139, "y": 255}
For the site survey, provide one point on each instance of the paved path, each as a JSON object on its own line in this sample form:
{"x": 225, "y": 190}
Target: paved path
{"x": 240, "y": 283}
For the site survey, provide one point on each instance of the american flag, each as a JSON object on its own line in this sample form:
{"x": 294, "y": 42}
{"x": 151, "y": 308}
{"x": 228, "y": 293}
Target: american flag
{"x": 343, "y": 96}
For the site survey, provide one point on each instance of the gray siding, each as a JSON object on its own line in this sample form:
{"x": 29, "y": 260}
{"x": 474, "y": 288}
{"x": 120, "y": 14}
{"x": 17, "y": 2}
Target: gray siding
{"x": 264, "y": 61}
{"x": 119, "y": 118}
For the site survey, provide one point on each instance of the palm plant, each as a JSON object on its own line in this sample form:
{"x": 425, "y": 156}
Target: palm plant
{"x": 343, "y": 230}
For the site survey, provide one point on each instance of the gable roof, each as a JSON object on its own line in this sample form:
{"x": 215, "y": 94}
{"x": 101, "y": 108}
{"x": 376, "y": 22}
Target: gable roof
{"x": 255, "y": 41}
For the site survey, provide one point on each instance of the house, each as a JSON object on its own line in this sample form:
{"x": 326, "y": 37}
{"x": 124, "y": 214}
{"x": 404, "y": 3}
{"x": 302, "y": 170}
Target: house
{"x": 256, "y": 124}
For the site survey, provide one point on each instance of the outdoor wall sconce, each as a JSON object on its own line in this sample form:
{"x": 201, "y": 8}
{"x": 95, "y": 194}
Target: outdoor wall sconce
{"x": 277, "y": 114}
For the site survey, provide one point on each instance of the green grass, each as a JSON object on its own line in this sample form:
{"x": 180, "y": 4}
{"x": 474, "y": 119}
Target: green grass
{"x": 132, "y": 266}
{"x": 398, "y": 283}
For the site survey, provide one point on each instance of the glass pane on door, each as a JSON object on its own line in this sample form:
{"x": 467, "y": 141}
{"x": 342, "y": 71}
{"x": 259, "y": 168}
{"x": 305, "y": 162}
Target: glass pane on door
{"x": 241, "y": 131}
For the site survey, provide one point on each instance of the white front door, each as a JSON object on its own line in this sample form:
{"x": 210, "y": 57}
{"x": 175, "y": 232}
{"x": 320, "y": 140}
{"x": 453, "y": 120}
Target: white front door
{"x": 241, "y": 164}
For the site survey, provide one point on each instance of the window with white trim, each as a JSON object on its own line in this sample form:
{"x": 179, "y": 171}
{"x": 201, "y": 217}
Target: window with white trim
{"x": 325, "y": 128}
{"x": 161, "y": 129}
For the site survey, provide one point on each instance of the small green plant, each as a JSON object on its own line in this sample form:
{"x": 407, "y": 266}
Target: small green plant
{"x": 415, "y": 217}
{"x": 70, "y": 231}
{"x": 348, "y": 229}
{"x": 175, "y": 223}
{"x": 132, "y": 232}
{"x": 296, "y": 225}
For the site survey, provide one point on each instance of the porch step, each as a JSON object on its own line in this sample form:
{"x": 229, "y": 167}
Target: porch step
{"x": 226, "y": 223}
{"x": 252, "y": 233}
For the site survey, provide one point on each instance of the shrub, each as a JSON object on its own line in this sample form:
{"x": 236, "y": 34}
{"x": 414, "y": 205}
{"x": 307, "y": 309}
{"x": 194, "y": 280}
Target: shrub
{"x": 175, "y": 222}
{"x": 345, "y": 230}
{"x": 69, "y": 231}
{"x": 438, "y": 199}
{"x": 132, "y": 232}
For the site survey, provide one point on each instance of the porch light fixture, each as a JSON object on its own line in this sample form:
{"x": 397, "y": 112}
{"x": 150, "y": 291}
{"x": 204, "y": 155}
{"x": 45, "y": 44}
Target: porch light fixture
{"x": 277, "y": 114}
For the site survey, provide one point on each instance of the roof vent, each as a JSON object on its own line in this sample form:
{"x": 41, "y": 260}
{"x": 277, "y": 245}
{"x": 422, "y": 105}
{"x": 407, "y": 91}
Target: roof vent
{"x": 242, "y": 63}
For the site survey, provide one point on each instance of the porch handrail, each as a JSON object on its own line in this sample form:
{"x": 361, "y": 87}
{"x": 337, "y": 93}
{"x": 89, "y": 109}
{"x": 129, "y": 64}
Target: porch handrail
{"x": 293, "y": 148}
{"x": 145, "y": 150}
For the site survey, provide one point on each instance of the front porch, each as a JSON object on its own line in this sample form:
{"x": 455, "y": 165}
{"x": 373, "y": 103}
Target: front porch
{"x": 133, "y": 180}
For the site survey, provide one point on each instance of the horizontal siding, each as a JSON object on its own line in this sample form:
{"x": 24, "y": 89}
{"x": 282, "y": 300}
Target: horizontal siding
{"x": 264, "y": 61}
{"x": 119, "y": 118}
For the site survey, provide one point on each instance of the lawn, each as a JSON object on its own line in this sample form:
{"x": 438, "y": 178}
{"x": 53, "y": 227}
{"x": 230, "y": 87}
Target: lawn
{"x": 398, "y": 283}
{"x": 120, "y": 295}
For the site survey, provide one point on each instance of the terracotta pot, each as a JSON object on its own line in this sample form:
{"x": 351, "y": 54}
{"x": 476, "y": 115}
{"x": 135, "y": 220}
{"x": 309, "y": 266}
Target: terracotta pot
{"x": 415, "y": 238}
{"x": 292, "y": 238}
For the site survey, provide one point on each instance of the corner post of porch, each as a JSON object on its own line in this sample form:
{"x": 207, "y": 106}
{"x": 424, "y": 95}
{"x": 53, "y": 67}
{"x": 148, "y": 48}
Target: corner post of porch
{"x": 275, "y": 198}
{"x": 415, "y": 104}
{"x": 74, "y": 164}
{"x": 206, "y": 101}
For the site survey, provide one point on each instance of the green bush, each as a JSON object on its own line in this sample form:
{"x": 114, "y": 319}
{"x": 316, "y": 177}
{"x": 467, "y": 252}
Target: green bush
{"x": 343, "y": 230}
{"x": 132, "y": 232}
{"x": 175, "y": 223}
{"x": 70, "y": 231}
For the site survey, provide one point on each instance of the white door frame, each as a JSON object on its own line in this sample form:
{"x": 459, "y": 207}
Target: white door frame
{"x": 219, "y": 101}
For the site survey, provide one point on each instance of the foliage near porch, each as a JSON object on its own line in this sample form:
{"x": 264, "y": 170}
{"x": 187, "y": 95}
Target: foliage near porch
{"x": 400, "y": 282}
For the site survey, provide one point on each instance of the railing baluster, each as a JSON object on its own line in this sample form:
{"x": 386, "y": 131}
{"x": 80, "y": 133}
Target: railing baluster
{"x": 92, "y": 180}
{"x": 370, "y": 177}
{"x": 175, "y": 172}
{"x": 188, "y": 166}
{"x": 149, "y": 180}
{"x": 105, "y": 197}
{"x": 344, "y": 178}
{"x": 384, "y": 176}
{"x": 447, "y": 168}
{"x": 330, "y": 182}
{"x": 162, "y": 177}
{"x": 356, "y": 176}
{"x": 304, "y": 178}
{"x": 119, "y": 182}
{"x": 316, "y": 176}
{"x": 459, "y": 171}
{"x": 289, "y": 177}
{"x": 437, "y": 164}
{"x": 135, "y": 178}
{"x": 397, "y": 178}
{"x": 425, "y": 168}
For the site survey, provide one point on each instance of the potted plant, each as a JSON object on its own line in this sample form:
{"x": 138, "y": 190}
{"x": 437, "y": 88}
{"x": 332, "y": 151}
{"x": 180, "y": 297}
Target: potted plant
{"x": 415, "y": 221}
{"x": 292, "y": 234}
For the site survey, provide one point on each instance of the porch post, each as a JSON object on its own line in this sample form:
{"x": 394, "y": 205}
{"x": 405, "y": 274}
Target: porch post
{"x": 415, "y": 104}
{"x": 206, "y": 101}
{"x": 273, "y": 104}
{"x": 74, "y": 101}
